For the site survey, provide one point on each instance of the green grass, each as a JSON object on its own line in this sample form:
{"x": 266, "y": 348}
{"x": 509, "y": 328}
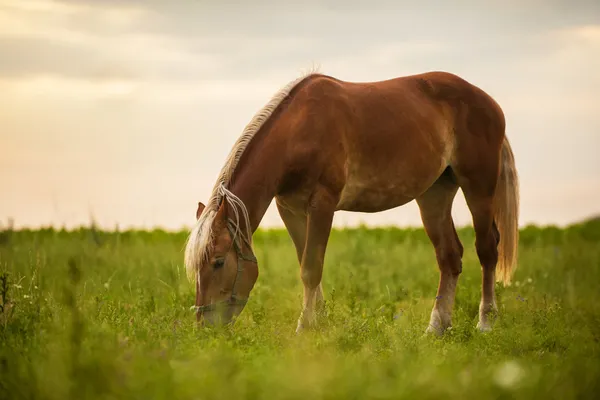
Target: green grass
{"x": 89, "y": 314}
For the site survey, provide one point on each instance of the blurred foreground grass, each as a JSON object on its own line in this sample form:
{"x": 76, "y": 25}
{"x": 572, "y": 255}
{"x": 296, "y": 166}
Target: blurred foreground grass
{"x": 88, "y": 314}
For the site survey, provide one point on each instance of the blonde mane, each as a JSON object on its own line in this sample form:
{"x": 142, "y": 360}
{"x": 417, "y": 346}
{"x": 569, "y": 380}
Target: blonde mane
{"x": 200, "y": 238}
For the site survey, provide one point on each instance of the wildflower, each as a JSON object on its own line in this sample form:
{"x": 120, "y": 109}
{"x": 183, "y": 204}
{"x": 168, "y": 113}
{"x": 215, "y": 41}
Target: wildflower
{"x": 508, "y": 374}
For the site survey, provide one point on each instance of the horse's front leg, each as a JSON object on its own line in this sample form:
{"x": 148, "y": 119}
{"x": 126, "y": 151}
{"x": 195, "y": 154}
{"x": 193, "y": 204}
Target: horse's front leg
{"x": 319, "y": 220}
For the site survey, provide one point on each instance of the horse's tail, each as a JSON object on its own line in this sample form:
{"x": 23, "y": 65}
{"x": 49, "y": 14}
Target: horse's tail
{"x": 506, "y": 215}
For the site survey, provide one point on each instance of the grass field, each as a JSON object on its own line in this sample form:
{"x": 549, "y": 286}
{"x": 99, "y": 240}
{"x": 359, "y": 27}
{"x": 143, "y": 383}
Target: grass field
{"x": 88, "y": 314}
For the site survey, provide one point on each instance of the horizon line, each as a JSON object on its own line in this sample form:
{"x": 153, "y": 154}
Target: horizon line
{"x": 92, "y": 225}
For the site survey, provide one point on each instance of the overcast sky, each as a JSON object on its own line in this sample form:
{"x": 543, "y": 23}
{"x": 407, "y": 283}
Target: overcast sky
{"x": 127, "y": 109}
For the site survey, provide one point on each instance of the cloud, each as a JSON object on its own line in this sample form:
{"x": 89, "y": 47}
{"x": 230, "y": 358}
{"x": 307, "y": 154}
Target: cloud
{"x": 30, "y": 57}
{"x": 79, "y": 40}
{"x": 71, "y": 22}
{"x": 162, "y": 89}
{"x": 191, "y": 40}
{"x": 49, "y": 87}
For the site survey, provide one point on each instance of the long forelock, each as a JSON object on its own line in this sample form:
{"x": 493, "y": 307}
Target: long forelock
{"x": 201, "y": 238}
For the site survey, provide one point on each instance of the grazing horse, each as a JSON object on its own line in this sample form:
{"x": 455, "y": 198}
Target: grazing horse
{"x": 321, "y": 145}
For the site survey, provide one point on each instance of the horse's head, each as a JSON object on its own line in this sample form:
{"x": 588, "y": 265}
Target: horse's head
{"x": 227, "y": 273}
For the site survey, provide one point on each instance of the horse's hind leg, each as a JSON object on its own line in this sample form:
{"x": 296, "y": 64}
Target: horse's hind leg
{"x": 478, "y": 183}
{"x": 436, "y": 213}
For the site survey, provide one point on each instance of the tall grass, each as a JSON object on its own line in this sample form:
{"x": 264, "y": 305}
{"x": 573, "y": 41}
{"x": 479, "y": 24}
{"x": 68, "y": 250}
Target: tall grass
{"x": 88, "y": 314}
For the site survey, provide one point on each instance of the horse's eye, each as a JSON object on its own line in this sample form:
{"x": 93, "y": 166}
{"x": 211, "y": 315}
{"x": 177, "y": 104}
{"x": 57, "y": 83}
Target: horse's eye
{"x": 219, "y": 263}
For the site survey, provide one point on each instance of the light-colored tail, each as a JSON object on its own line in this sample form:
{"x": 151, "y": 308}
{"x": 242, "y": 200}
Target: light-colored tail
{"x": 506, "y": 215}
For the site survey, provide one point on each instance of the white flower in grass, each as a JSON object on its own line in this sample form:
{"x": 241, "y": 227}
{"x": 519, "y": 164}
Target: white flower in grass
{"x": 508, "y": 374}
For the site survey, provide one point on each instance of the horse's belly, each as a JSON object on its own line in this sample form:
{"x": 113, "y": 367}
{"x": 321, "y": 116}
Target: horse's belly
{"x": 386, "y": 189}
{"x": 364, "y": 198}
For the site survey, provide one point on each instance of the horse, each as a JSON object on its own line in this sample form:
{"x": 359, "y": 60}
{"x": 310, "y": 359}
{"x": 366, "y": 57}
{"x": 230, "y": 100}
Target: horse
{"x": 321, "y": 145}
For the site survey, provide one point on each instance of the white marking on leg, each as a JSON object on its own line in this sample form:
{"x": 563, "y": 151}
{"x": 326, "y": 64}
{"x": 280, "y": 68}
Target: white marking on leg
{"x": 486, "y": 313}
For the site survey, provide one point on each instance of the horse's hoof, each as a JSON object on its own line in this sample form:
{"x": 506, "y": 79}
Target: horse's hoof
{"x": 436, "y": 331}
{"x": 303, "y": 325}
{"x": 437, "y": 324}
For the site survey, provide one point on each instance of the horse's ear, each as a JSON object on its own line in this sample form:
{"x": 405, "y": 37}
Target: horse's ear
{"x": 201, "y": 208}
{"x": 221, "y": 212}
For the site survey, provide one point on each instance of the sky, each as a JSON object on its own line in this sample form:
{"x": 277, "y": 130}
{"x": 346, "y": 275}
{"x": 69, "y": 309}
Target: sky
{"x": 126, "y": 110}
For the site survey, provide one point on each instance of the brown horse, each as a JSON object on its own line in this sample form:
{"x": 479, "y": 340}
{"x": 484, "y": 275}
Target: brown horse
{"x": 322, "y": 145}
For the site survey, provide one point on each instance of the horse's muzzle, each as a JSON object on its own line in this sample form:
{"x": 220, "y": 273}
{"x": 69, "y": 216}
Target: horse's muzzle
{"x": 223, "y": 313}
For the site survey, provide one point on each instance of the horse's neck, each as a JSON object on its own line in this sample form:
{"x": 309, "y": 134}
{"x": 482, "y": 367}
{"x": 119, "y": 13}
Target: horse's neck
{"x": 257, "y": 176}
